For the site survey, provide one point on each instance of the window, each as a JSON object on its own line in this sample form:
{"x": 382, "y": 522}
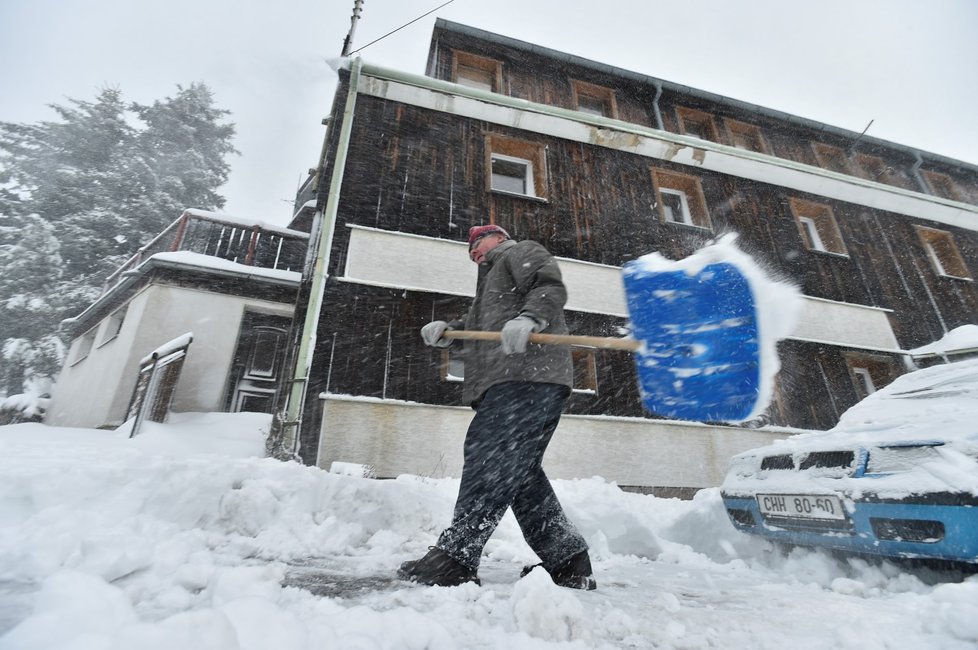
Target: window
{"x": 452, "y": 366}
{"x": 594, "y": 99}
{"x": 942, "y": 185}
{"x": 832, "y": 158}
{"x": 864, "y": 381}
{"x": 675, "y": 206}
{"x": 585, "y": 370}
{"x": 113, "y": 325}
{"x": 873, "y": 168}
{"x": 83, "y": 346}
{"x": 811, "y": 232}
{"x": 513, "y": 175}
{"x": 157, "y": 382}
{"x": 745, "y": 136}
{"x": 476, "y": 71}
{"x": 516, "y": 167}
{"x": 679, "y": 199}
{"x": 943, "y": 253}
{"x": 698, "y": 124}
{"x": 868, "y": 373}
{"x": 818, "y": 227}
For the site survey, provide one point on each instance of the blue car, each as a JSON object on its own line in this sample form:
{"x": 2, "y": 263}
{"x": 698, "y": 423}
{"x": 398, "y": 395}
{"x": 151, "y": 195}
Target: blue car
{"x": 896, "y": 478}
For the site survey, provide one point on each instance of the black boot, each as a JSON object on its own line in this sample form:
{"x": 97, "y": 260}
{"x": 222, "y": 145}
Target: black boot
{"x": 437, "y": 568}
{"x": 574, "y": 572}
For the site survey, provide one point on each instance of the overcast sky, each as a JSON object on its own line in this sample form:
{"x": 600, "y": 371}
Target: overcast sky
{"x": 908, "y": 65}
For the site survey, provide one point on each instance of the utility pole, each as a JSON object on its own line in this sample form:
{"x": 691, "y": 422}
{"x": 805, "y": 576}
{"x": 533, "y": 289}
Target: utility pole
{"x": 348, "y": 41}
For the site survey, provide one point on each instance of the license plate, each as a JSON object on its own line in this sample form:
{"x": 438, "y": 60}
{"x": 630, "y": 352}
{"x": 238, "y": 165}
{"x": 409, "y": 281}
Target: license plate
{"x": 803, "y": 506}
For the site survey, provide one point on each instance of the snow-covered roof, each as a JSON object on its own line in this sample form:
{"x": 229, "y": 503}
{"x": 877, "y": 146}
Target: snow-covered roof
{"x": 193, "y": 261}
{"x": 199, "y": 260}
{"x": 247, "y": 223}
{"x": 169, "y": 347}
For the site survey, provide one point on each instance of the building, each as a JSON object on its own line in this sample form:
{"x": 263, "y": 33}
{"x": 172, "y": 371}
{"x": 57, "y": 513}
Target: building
{"x": 229, "y": 283}
{"x": 602, "y": 165}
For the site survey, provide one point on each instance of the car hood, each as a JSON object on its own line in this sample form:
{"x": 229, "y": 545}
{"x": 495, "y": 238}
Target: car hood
{"x": 933, "y": 410}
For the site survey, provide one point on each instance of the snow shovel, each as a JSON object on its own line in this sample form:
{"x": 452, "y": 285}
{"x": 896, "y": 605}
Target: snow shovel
{"x": 694, "y": 337}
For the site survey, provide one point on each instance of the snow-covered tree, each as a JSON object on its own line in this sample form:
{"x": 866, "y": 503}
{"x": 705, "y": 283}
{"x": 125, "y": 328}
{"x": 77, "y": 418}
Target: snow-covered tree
{"x": 31, "y": 267}
{"x": 94, "y": 186}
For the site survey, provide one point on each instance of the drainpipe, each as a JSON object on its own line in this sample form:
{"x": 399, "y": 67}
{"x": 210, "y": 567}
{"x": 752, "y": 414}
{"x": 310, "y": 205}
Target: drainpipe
{"x": 327, "y": 218}
{"x": 655, "y": 106}
{"x": 915, "y": 170}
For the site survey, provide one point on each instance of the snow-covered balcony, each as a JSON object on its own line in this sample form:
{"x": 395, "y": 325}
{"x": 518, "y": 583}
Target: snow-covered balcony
{"x": 233, "y": 239}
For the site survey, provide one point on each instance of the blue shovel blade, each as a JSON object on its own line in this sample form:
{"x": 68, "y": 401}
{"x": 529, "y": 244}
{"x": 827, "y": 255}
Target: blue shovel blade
{"x": 700, "y": 358}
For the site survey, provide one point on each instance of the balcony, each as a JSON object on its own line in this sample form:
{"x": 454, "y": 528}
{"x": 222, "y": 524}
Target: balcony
{"x": 225, "y": 237}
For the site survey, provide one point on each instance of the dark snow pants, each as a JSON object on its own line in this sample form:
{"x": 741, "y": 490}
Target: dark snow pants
{"x": 503, "y": 467}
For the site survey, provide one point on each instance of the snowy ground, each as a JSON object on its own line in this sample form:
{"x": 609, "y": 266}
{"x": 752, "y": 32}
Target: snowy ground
{"x": 184, "y": 538}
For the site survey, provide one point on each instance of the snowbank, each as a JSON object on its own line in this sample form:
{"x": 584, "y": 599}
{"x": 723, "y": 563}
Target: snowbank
{"x": 185, "y": 537}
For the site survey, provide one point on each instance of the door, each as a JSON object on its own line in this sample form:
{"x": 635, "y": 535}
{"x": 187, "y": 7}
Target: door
{"x": 258, "y": 362}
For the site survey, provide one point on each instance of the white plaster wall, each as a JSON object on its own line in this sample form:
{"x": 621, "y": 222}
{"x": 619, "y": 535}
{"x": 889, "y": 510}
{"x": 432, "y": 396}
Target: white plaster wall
{"x": 96, "y": 391}
{"x": 86, "y": 393}
{"x": 409, "y": 438}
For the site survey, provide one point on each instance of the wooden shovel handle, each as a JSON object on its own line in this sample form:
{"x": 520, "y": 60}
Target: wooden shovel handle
{"x": 606, "y": 342}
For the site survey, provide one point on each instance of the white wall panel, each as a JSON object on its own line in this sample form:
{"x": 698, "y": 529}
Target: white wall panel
{"x": 402, "y": 261}
{"x": 409, "y": 438}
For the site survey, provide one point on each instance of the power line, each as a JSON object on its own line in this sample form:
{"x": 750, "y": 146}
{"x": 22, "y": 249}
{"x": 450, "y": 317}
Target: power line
{"x": 401, "y": 27}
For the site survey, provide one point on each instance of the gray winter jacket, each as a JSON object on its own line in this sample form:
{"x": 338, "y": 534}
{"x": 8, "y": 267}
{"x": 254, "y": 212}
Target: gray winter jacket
{"x": 516, "y": 278}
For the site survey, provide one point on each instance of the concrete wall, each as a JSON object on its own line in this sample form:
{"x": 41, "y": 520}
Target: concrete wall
{"x": 408, "y": 438}
{"x": 96, "y": 390}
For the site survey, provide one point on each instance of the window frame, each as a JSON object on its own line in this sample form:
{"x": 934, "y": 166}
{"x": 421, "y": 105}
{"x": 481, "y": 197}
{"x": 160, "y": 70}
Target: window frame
{"x": 687, "y": 215}
{"x": 581, "y": 355}
{"x": 85, "y": 345}
{"x": 691, "y": 187}
{"x": 866, "y": 166}
{"x": 941, "y": 185}
{"x": 878, "y": 370}
{"x": 689, "y": 117}
{"x": 950, "y": 265}
{"x": 492, "y": 67}
{"x": 513, "y": 150}
{"x": 736, "y": 128}
{"x": 447, "y": 362}
{"x": 812, "y": 235}
{"x": 115, "y": 320}
{"x": 832, "y": 158}
{"x": 587, "y": 357}
{"x": 601, "y": 94}
{"x": 864, "y": 379}
{"x": 822, "y": 218}
{"x": 527, "y": 176}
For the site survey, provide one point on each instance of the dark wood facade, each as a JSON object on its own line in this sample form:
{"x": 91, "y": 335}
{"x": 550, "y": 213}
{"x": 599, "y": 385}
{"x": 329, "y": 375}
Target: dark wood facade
{"x": 424, "y": 172}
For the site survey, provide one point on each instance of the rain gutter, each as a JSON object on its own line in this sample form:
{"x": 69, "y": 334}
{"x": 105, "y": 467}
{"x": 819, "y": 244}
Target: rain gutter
{"x": 327, "y": 218}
